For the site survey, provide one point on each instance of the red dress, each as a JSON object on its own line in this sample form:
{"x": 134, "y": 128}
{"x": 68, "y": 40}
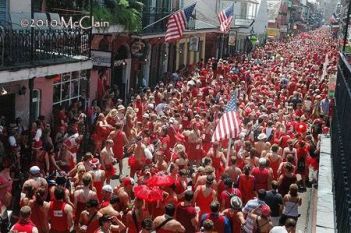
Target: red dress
{"x": 274, "y": 164}
{"x": 261, "y": 178}
{"x": 204, "y": 202}
{"x": 217, "y": 164}
{"x": 247, "y": 187}
{"x": 235, "y": 221}
{"x": 117, "y": 148}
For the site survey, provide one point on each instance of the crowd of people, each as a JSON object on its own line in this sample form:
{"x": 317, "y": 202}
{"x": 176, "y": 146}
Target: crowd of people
{"x": 177, "y": 179}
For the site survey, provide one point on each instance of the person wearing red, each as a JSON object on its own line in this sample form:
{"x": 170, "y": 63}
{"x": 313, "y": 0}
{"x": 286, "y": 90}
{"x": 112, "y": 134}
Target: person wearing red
{"x": 221, "y": 222}
{"x": 204, "y": 195}
{"x": 218, "y": 159}
{"x": 136, "y": 216}
{"x": 234, "y": 214}
{"x": 81, "y": 196}
{"x": 186, "y": 213}
{"x": 119, "y": 141}
{"x": 40, "y": 209}
{"x": 247, "y": 185}
{"x": 140, "y": 107}
{"x": 302, "y": 168}
{"x": 166, "y": 223}
{"x": 262, "y": 175}
{"x": 108, "y": 160}
{"x": 274, "y": 160}
{"x": 24, "y": 224}
{"x": 98, "y": 176}
{"x": 228, "y": 193}
{"x": 60, "y": 213}
{"x": 89, "y": 218}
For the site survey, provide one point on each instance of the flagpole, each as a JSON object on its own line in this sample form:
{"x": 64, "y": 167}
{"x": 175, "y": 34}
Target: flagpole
{"x": 157, "y": 21}
{"x": 228, "y": 151}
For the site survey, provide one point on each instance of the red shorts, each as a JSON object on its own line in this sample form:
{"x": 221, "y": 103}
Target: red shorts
{"x": 109, "y": 170}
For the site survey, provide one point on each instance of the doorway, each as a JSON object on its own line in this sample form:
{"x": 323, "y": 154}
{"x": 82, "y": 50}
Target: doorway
{"x": 8, "y": 103}
{"x": 119, "y": 80}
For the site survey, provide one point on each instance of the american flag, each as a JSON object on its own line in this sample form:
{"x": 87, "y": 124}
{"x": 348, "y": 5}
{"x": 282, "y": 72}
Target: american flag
{"x": 177, "y": 22}
{"x": 229, "y": 124}
{"x": 226, "y": 17}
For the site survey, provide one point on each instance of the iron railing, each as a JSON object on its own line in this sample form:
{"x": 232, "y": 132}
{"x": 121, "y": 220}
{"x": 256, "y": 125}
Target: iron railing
{"x": 341, "y": 146}
{"x": 27, "y": 48}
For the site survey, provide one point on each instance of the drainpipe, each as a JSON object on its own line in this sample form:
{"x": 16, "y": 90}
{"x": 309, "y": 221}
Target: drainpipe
{"x": 31, "y": 117}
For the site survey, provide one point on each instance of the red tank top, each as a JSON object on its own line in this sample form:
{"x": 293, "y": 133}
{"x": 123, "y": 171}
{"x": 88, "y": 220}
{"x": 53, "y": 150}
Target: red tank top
{"x": 23, "y": 227}
{"x": 37, "y": 216}
{"x": 58, "y": 216}
{"x": 118, "y": 144}
{"x": 261, "y": 178}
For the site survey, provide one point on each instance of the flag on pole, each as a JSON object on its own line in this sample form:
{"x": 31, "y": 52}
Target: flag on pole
{"x": 177, "y": 22}
{"x": 225, "y": 18}
{"x": 229, "y": 124}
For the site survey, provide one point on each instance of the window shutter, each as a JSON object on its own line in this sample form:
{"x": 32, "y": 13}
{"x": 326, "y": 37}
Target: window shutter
{"x": 3, "y": 12}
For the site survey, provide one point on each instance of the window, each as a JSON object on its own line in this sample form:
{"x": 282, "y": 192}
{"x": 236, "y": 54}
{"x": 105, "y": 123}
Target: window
{"x": 70, "y": 87}
{"x": 36, "y": 98}
{"x": 4, "y": 12}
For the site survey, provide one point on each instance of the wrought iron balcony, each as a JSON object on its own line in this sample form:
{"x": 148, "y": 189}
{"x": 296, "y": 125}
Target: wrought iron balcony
{"x": 39, "y": 47}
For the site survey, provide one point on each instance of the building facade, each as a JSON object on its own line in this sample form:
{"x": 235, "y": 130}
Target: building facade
{"x": 42, "y": 67}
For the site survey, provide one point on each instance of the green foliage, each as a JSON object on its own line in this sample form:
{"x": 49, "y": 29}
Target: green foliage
{"x": 124, "y": 12}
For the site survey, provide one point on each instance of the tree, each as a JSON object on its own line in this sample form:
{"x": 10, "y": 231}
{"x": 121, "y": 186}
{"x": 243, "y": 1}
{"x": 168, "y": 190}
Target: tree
{"x": 124, "y": 12}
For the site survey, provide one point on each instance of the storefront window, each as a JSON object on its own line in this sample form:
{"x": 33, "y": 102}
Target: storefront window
{"x": 69, "y": 88}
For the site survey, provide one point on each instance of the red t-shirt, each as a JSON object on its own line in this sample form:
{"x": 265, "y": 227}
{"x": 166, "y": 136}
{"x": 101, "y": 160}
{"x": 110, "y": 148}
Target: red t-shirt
{"x": 184, "y": 214}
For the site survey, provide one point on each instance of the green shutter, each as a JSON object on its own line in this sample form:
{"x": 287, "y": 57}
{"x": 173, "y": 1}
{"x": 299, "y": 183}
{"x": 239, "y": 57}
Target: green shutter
{"x": 3, "y": 12}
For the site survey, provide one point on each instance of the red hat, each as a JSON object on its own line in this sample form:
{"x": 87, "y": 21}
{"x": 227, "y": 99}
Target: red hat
{"x": 266, "y": 211}
{"x": 126, "y": 181}
{"x": 95, "y": 162}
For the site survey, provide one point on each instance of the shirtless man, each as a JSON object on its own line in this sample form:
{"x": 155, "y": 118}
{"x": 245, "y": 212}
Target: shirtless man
{"x": 139, "y": 153}
{"x": 233, "y": 171}
{"x": 166, "y": 222}
{"x": 89, "y": 218}
{"x": 108, "y": 160}
{"x": 124, "y": 192}
{"x": 82, "y": 196}
{"x": 112, "y": 208}
{"x": 261, "y": 145}
{"x": 35, "y": 180}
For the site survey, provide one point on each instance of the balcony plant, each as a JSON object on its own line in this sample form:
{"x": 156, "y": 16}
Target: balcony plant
{"x": 123, "y": 12}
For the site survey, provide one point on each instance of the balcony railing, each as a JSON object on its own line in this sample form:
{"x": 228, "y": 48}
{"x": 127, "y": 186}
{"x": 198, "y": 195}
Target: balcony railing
{"x": 28, "y": 48}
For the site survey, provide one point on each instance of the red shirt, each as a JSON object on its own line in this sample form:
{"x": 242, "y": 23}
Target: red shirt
{"x": 261, "y": 178}
{"x": 184, "y": 214}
